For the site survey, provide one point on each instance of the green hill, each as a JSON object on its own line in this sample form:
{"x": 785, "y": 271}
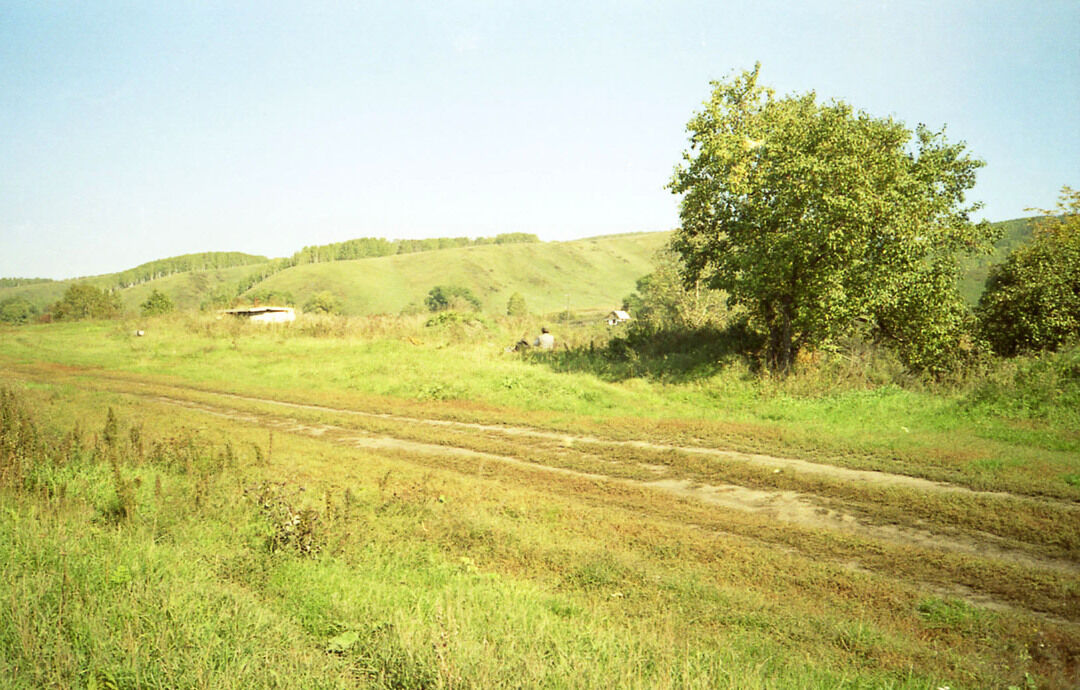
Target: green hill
{"x": 1015, "y": 233}
{"x": 184, "y": 278}
{"x": 189, "y": 290}
{"x": 593, "y": 273}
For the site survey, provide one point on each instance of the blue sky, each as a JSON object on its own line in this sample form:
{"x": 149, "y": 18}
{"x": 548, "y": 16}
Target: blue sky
{"x": 136, "y": 131}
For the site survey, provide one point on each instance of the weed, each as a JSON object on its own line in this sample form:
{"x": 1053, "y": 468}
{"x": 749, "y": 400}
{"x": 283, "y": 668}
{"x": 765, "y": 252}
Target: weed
{"x": 290, "y": 526}
{"x": 124, "y": 505}
{"x": 135, "y": 434}
{"x": 111, "y": 433}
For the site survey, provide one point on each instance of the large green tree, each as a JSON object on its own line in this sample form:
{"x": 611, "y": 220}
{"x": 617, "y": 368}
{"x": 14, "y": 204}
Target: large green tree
{"x": 84, "y": 301}
{"x": 816, "y": 217}
{"x": 1032, "y": 299}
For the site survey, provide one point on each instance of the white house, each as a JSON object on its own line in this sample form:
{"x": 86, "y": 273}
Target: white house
{"x": 618, "y": 316}
{"x": 263, "y": 314}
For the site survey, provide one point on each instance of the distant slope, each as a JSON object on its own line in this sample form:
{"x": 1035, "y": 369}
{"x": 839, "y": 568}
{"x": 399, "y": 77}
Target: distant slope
{"x": 139, "y": 281}
{"x": 39, "y": 294}
{"x": 1015, "y": 233}
{"x": 189, "y": 290}
{"x": 203, "y": 261}
{"x": 590, "y": 273}
{"x": 593, "y": 273}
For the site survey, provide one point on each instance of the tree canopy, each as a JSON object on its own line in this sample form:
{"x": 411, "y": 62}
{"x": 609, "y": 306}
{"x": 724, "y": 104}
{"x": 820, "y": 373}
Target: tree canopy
{"x": 1032, "y": 299}
{"x": 323, "y": 302}
{"x": 17, "y": 310}
{"x": 84, "y": 301}
{"x": 443, "y": 297}
{"x": 816, "y": 217}
{"x": 157, "y": 303}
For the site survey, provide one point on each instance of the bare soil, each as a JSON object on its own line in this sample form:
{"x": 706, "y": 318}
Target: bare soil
{"x": 786, "y": 506}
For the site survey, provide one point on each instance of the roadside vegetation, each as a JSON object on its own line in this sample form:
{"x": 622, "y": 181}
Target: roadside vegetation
{"x": 164, "y": 535}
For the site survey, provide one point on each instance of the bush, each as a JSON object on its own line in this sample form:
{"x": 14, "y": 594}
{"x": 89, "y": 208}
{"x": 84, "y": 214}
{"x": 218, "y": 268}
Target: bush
{"x": 443, "y": 297}
{"x": 323, "y": 303}
{"x": 157, "y": 303}
{"x": 17, "y": 310}
{"x": 1032, "y": 299}
{"x": 664, "y": 301}
{"x": 515, "y": 306}
{"x": 84, "y": 301}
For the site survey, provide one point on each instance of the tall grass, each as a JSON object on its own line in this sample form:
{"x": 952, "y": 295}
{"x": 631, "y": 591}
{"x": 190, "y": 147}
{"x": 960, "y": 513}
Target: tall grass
{"x": 319, "y": 567}
{"x": 1010, "y": 425}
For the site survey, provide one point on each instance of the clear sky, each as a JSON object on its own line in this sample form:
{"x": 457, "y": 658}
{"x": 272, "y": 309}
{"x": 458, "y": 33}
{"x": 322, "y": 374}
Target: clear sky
{"x": 137, "y": 131}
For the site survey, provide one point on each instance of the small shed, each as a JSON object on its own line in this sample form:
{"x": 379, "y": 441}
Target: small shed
{"x": 618, "y": 316}
{"x": 263, "y": 314}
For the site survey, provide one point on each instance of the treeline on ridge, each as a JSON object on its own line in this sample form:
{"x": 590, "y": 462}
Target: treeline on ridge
{"x": 17, "y": 282}
{"x": 367, "y": 247}
{"x": 360, "y": 248}
{"x": 181, "y": 264}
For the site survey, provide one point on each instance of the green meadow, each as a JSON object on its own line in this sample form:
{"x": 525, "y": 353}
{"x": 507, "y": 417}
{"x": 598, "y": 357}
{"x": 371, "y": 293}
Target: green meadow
{"x": 376, "y": 502}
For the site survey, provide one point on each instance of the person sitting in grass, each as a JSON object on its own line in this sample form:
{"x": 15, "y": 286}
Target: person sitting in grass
{"x": 544, "y": 341}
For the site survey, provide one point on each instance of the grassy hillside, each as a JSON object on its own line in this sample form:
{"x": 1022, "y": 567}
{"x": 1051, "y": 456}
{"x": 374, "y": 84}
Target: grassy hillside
{"x": 1015, "y": 233}
{"x": 595, "y": 273}
{"x": 187, "y": 288}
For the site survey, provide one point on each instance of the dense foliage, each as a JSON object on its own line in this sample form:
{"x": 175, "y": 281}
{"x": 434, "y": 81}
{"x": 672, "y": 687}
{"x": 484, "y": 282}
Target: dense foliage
{"x": 157, "y": 303}
{"x": 817, "y": 217}
{"x": 323, "y": 302}
{"x": 84, "y": 301}
{"x": 443, "y": 297}
{"x": 664, "y": 300}
{"x": 17, "y": 310}
{"x": 1032, "y": 299}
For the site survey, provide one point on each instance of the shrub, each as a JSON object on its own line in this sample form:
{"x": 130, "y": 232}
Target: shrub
{"x": 84, "y": 301}
{"x": 1032, "y": 299}
{"x": 443, "y": 297}
{"x": 323, "y": 302}
{"x": 664, "y": 301}
{"x": 17, "y": 310}
{"x": 157, "y": 303}
{"x": 515, "y": 306}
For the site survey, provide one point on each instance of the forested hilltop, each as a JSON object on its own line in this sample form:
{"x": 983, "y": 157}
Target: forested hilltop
{"x": 366, "y": 247}
{"x": 202, "y": 261}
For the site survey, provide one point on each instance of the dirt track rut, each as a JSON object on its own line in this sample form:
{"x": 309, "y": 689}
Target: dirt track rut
{"x": 787, "y": 506}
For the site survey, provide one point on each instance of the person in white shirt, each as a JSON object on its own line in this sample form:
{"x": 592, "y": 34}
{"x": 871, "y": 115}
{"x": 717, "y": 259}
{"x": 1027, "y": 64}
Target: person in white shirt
{"x": 544, "y": 341}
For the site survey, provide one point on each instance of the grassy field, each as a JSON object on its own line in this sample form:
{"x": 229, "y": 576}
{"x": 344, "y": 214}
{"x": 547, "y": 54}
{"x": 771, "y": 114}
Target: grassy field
{"x": 374, "y": 502}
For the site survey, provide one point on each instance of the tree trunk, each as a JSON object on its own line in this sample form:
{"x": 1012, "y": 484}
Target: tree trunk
{"x": 780, "y": 350}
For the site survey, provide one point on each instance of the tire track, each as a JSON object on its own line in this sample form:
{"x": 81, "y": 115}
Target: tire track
{"x": 786, "y": 506}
